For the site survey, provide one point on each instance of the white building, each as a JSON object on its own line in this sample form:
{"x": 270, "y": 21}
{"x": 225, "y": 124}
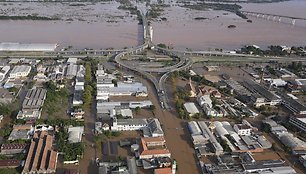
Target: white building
{"x": 9, "y": 46}
{"x": 79, "y": 83}
{"x": 75, "y": 134}
{"x": 153, "y": 128}
{"x": 71, "y": 61}
{"x": 103, "y": 82}
{"x": 204, "y": 99}
{"x": 72, "y": 70}
{"x": 128, "y": 124}
{"x": 206, "y": 103}
{"x": 191, "y": 109}
{"x": 3, "y": 72}
{"x": 105, "y": 90}
{"x": 242, "y": 129}
{"x": 40, "y": 77}
{"x": 276, "y": 82}
{"x": 20, "y": 71}
{"x": 284, "y": 73}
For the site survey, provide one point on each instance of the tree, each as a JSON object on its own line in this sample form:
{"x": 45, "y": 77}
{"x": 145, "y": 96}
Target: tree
{"x": 5, "y": 130}
{"x": 137, "y": 109}
{"x": 198, "y": 115}
{"x": 181, "y": 113}
{"x": 161, "y": 45}
{"x": 87, "y": 95}
{"x": 88, "y": 76}
{"x": 152, "y": 108}
{"x": 4, "y": 109}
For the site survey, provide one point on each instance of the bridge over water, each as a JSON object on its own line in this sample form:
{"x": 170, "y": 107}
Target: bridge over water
{"x": 272, "y": 17}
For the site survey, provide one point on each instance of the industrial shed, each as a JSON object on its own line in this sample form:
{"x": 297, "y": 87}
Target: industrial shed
{"x": 34, "y": 98}
{"x": 194, "y": 128}
{"x": 41, "y": 47}
{"x": 191, "y": 109}
{"x": 221, "y": 131}
{"x": 293, "y": 142}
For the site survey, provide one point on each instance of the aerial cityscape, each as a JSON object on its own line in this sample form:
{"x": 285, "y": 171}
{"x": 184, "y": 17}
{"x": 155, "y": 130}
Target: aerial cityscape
{"x": 153, "y": 86}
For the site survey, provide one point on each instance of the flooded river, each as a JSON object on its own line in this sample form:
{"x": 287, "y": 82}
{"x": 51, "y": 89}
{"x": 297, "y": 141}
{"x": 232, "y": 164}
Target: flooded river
{"x": 102, "y": 25}
{"x": 182, "y": 31}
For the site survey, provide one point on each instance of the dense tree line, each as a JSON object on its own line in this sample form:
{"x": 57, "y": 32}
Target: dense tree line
{"x": 71, "y": 150}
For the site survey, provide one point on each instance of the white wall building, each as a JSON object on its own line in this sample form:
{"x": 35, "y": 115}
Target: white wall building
{"x": 20, "y": 71}
{"x": 10, "y": 46}
{"x": 206, "y": 103}
{"x": 3, "y": 72}
{"x": 128, "y": 124}
{"x": 242, "y": 129}
{"x": 75, "y": 134}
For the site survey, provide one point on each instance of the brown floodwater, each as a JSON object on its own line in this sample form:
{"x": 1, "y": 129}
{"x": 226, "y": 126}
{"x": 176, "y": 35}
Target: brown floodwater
{"x": 102, "y": 25}
{"x": 182, "y": 31}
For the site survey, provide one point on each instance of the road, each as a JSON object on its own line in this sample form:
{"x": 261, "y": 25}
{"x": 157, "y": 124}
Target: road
{"x": 87, "y": 163}
{"x": 177, "y": 136}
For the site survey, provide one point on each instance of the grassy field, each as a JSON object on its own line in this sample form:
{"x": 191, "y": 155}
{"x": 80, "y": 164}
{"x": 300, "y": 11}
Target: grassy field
{"x": 56, "y": 103}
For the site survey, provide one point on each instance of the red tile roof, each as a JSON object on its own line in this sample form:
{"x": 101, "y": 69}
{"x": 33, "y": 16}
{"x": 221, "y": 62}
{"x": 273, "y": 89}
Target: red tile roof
{"x": 41, "y": 157}
{"x": 145, "y": 149}
{"x": 13, "y": 146}
{"x": 163, "y": 171}
{"x": 9, "y": 163}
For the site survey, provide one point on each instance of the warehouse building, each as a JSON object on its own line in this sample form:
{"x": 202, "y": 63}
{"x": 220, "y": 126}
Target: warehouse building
{"x": 212, "y": 141}
{"x": 107, "y": 110}
{"x": 40, "y": 47}
{"x": 122, "y": 89}
{"x": 72, "y": 70}
{"x": 128, "y": 124}
{"x": 34, "y": 99}
{"x": 299, "y": 121}
{"x": 269, "y": 97}
{"x": 294, "y": 106}
{"x": 194, "y": 128}
{"x": 238, "y": 89}
{"x": 22, "y": 132}
{"x": 41, "y": 157}
{"x": 32, "y": 104}
{"x": 20, "y": 71}
{"x": 10, "y": 163}
{"x": 191, "y": 109}
{"x": 284, "y": 73}
{"x": 294, "y": 143}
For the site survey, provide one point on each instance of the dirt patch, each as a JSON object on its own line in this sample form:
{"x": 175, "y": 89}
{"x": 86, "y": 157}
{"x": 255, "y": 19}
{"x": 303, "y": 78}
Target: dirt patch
{"x": 266, "y": 155}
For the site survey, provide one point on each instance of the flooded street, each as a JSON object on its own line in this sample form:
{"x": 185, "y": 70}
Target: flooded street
{"x": 102, "y": 25}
